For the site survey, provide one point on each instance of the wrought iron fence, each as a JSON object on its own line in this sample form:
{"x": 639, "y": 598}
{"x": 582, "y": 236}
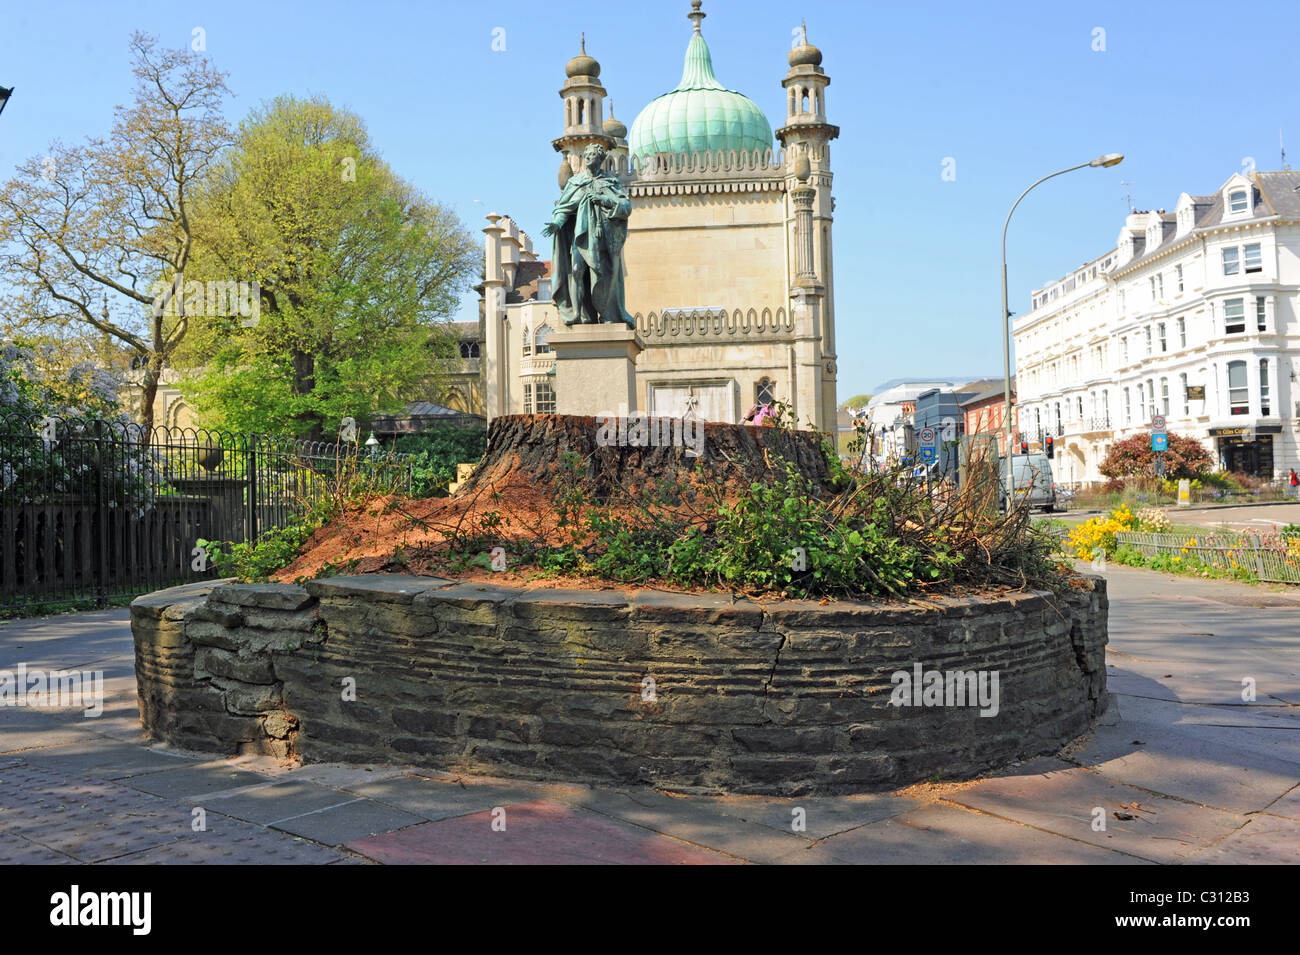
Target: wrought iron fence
{"x": 1270, "y": 557}
{"x": 102, "y": 509}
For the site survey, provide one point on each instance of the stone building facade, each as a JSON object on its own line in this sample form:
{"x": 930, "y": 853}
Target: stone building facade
{"x": 1193, "y": 315}
{"x": 728, "y": 256}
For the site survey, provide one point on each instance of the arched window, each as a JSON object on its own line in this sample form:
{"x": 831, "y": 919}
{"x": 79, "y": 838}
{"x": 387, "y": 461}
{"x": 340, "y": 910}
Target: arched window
{"x": 542, "y": 340}
{"x": 803, "y": 101}
{"x": 528, "y": 342}
{"x": 582, "y": 107}
{"x": 765, "y": 391}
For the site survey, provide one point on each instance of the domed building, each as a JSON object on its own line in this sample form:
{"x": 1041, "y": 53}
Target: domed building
{"x": 728, "y": 255}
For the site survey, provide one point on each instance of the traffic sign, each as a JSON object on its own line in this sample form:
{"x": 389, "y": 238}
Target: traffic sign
{"x": 927, "y": 454}
{"x": 927, "y": 437}
{"x": 1159, "y": 441}
{"x": 1158, "y": 424}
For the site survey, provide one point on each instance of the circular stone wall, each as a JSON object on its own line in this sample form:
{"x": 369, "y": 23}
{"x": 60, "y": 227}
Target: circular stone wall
{"x": 679, "y": 691}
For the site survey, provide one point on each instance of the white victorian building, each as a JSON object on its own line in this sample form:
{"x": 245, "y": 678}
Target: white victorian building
{"x": 1194, "y": 315}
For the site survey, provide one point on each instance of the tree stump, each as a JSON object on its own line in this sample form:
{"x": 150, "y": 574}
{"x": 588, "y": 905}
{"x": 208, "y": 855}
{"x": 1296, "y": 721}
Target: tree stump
{"x": 531, "y": 450}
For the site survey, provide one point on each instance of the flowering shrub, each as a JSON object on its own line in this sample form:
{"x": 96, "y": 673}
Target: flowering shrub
{"x": 1186, "y": 457}
{"x": 1153, "y": 521}
{"x": 35, "y": 382}
{"x": 1099, "y": 533}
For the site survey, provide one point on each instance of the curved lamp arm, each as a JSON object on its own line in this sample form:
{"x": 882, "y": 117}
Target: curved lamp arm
{"x": 1109, "y": 159}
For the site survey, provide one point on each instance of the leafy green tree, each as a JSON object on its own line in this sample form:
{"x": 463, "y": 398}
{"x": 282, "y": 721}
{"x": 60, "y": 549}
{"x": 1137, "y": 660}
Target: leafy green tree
{"x": 356, "y": 270}
{"x": 86, "y": 229}
{"x": 857, "y": 401}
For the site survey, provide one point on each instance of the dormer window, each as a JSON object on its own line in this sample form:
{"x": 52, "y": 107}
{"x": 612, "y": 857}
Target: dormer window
{"x": 1238, "y": 202}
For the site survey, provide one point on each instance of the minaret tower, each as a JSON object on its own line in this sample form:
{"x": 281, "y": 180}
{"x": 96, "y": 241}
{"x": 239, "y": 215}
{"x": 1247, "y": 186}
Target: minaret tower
{"x": 806, "y": 137}
{"x": 583, "y": 123}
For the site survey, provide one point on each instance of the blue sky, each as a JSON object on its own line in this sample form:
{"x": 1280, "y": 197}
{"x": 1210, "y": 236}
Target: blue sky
{"x": 1187, "y": 91}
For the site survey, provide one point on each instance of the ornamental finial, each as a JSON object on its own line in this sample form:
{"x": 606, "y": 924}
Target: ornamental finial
{"x": 696, "y": 15}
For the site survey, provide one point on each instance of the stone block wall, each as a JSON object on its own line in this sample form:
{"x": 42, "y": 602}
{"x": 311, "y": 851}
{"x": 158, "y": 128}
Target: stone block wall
{"x": 686, "y": 691}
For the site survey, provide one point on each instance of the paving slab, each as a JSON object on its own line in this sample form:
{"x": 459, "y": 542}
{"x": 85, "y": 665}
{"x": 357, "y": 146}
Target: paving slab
{"x": 945, "y": 835}
{"x": 16, "y": 850}
{"x": 433, "y": 799}
{"x": 335, "y": 775}
{"x": 25, "y": 728}
{"x": 1050, "y": 794}
{"x": 695, "y": 821}
{"x": 109, "y": 759}
{"x": 538, "y": 833}
{"x": 1209, "y": 766}
{"x": 249, "y": 845}
{"x": 283, "y": 800}
{"x": 91, "y": 822}
{"x": 345, "y": 823}
{"x": 194, "y": 781}
{"x": 822, "y": 815}
{"x": 1265, "y": 716}
{"x": 1265, "y": 840}
{"x": 1287, "y": 805}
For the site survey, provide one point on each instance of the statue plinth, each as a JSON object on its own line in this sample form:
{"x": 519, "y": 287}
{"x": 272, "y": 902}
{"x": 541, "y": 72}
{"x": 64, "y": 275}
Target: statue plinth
{"x": 595, "y": 368}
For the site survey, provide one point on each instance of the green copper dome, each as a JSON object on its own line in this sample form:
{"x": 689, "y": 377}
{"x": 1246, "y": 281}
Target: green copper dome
{"x": 700, "y": 115}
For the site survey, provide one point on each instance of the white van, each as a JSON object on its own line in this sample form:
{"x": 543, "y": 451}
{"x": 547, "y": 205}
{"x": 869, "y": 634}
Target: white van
{"x": 1033, "y": 479}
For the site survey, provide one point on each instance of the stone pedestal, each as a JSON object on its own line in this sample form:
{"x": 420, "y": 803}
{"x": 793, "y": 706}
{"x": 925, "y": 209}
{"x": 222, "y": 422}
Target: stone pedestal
{"x": 595, "y": 369}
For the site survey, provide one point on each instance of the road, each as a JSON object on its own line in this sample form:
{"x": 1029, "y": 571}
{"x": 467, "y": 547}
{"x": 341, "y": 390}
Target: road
{"x": 1181, "y": 769}
{"x": 1250, "y": 516}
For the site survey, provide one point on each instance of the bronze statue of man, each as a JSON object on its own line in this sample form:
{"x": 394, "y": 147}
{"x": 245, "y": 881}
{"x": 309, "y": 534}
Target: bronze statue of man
{"x": 589, "y": 227}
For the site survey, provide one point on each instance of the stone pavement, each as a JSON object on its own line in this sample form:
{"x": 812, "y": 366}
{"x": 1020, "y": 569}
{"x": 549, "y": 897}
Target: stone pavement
{"x": 1182, "y": 770}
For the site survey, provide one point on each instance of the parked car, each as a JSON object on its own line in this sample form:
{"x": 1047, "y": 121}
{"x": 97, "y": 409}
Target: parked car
{"x": 1032, "y": 476}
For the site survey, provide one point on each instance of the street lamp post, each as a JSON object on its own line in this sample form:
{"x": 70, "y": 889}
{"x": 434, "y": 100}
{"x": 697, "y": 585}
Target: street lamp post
{"x": 1109, "y": 159}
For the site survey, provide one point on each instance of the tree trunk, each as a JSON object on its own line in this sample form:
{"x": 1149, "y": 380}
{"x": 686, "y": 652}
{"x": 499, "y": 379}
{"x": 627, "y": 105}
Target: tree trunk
{"x": 148, "y": 393}
{"x": 304, "y": 383}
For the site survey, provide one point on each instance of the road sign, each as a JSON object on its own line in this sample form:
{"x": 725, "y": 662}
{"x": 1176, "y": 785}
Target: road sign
{"x": 927, "y": 437}
{"x": 927, "y": 454}
{"x": 1158, "y": 424}
{"x": 1184, "y": 493}
{"x": 1159, "y": 441}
